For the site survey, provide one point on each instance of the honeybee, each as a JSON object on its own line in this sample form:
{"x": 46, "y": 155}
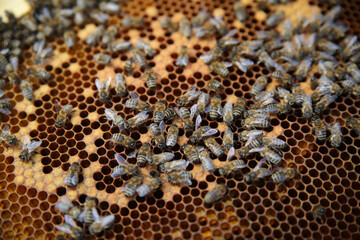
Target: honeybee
{"x": 188, "y": 97}
{"x": 180, "y": 178}
{"x": 72, "y": 177}
{"x": 128, "y": 67}
{"x": 3, "y": 61}
{"x": 26, "y": 90}
{"x": 336, "y": 135}
{"x": 220, "y": 68}
{"x": 319, "y": 128}
{"x": 143, "y": 154}
{"x": 298, "y": 93}
{"x": 185, "y": 27}
{"x": 103, "y": 88}
{"x": 120, "y": 85}
{"x": 146, "y": 48}
{"x": 109, "y": 35}
{"x": 228, "y": 139}
{"x": 270, "y": 93}
{"x": 124, "y": 168}
{"x": 200, "y": 106}
{"x": 215, "y": 194}
{"x": 138, "y": 58}
{"x": 123, "y": 140}
{"x": 34, "y": 75}
{"x": 207, "y": 30}
{"x": 212, "y": 55}
{"x": 327, "y": 46}
{"x": 161, "y": 158}
{"x": 214, "y": 85}
{"x": 28, "y": 149}
{"x": 286, "y": 95}
{"x": 252, "y": 122}
{"x": 69, "y": 38}
{"x": 132, "y": 22}
{"x": 7, "y": 138}
{"x": 150, "y": 78}
{"x": 121, "y": 46}
{"x": 99, "y": 16}
{"x": 117, "y": 120}
{"x": 219, "y": 24}
{"x": 239, "y": 107}
{"x": 228, "y": 114}
{"x": 101, "y": 223}
{"x": 159, "y": 111}
{"x": 356, "y": 91}
{"x": 40, "y": 58}
{"x": 271, "y": 156}
{"x": 354, "y": 123}
{"x": 151, "y": 185}
{"x": 191, "y": 153}
{"x": 158, "y": 134}
{"x": 215, "y": 107}
{"x": 109, "y": 7}
{"x": 168, "y": 24}
{"x": 138, "y": 119}
{"x": 87, "y": 215}
{"x": 273, "y": 143}
{"x": 284, "y": 174}
{"x": 214, "y": 146}
{"x": 131, "y": 186}
{"x": 65, "y": 206}
{"x": 239, "y": 9}
{"x": 102, "y": 58}
{"x": 275, "y": 19}
{"x": 174, "y": 166}
{"x": 287, "y": 29}
{"x": 284, "y": 79}
{"x": 170, "y": 113}
{"x": 172, "y": 136}
{"x": 268, "y": 61}
{"x": 228, "y": 41}
{"x": 183, "y": 58}
{"x": 257, "y": 173}
{"x": 206, "y": 161}
{"x": 200, "y": 18}
{"x": 354, "y": 71}
{"x": 253, "y": 142}
{"x": 318, "y": 212}
{"x": 259, "y": 85}
{"x": 243, "y": 64}
{"x": 324, "y": 103}
{"x": 136, "y": 103}
{"x": 246, "y": 134}
{"x": 185, "y": 115}
{"x": 230, "y": 167}
{"x": 71, "y": 228}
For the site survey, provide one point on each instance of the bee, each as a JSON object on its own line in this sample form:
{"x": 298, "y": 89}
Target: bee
{"x": 131, "y": 186}
{"x": 215, "y": 107}
{"x": 200, "y": 106}
{"x": 350, "y": 47}
{"x": 185, "y": 27}
{"x": 318, "y": 212}
{"x": 123, "y": 140}
{"x": 286, "y": 95}
{"x": 230, "y": 167}
{"x": 28, "y": 149}
{"x": 303, "y": 69}
{"x": 150, "y": 78}
{"x": 185, "y": 115}
{"x": 273, "y": 143}
{"x": 191, "y": 153}
{"x": 116, "y": 119}
{"x": 159, "y": 111}
{"x": 220, "y": 68}
{"x": 228, "y": 139}
{"x": 243, "y": 64}
{"x": 206, "y": 161}
{"x": 298, "y": 94}
{"x": 174, "y": 166}
{"x": 268, "y": 61}
{"x": 239, "y": 107}
{"x": 324, "y": 103}
{"x": 219, "y": 24}
{"x": 356, "y": 91}
{"x": 214, "y": 85}
{"x": 348, "y": 85}
{"x": 132, "y": 22}
{"x": 151, "y": 185}
{"x": 72, "y": 177}
{"x": 213, "y": 55}
{"x": 101, "y": 223}
{"x": 327, "y": 46}
{"x": 355, "y": 58}
{"x": 120, "y": 85}
{"x": 7, "y": 138}
{"x": 103, "y": 88}
{"x": 172, "y": 136}
{"x": 143, "y": 154}
{"x": 87, "y": 215}
{"x": 200, "y": 18}
{"x": 136, "y": 103}
{"x": 270, "y": 93}
{"x": 146, "y": 48}
{"x": 246, "y": 134}
{"x": 157, "y": 132}
{"x": 170, "y": 113}
{"x": 257, "y": 173}
{"x": 65, "y": 206}
{"x": 99, "y": 16}
{"x": 124, "y": 168}
{"x": 215, "y": 194}
{"x": 109, "y": 7}
{"x": 26, "y": 90}
{"x": 138, "y": 119}
{"x": 354, "y": 123}
{"x": 40, "y": 58}
{"x": 137, "y": 57}
{"x": 3, "y": 61}
{"x": 207, "y": 30}
{"x": 42, "y": 75}
{"x": 354, "y": 71}
{"x": 183, "y": 58}
{"x": 180, "y": 178}
{"x": 228, "y": 41}
{"x": 336, "y": 135}
{"x": 250, "y": 123}
{"x": 71, "y": 228}
{"x": 161, "y": 158}
{"x": 214, "y": 146}
{"x": 239, "y": 9}
{"x": 275, "y": 19}
{"x": 128, "y": 67}
{"x": 287, "y": 29}
{"x": 168, "y": 24}
{"x": 284, "y": 79}
{"x": 253, "y": 142}
{"x": 284, "y": 174}
{"x": 109, "y": 35}
{"x": 95, "y": 36}
{"x": 259, "y": 85}
{"x": 228, "y": 114}
{"x": 319, "y": 128}
{"x": 121, "y": 46}
{"x": 69, "y": 38}
{"x": 102, "y": 58}
{"x": 188, "y": 97}
{"x": 271, "y": 156}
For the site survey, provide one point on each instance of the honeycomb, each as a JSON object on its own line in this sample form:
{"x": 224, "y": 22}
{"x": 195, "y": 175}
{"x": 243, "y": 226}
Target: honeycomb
{"x": 328, "y": 176}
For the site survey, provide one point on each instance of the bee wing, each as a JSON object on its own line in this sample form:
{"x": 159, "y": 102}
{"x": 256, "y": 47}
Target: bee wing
{"x": 177, "y": 111}
{"x": 57, "y": 106}
{"x": 133, "y": 95}
{"x": 6, "y": 129}
{"x": 75, "y": 180}
{"x": 64, "y": 204}
{"x": 227, "y": 64}
{"x": 220, "y": 111}
{"x": 193, "y": 111}
{"x": 306, "y": 63}
{"x": 260, "y": 164}
{"x": 33, "y": 145}
{"x": 162, "y": 126}
{"x": 119, "y": 79}
{"x": 188, "y": 182}
{"x": 95, "y": 215}
{"x": 120, "y": 159}
{"x": 133, "y": 154}
{"x": 198, "y": 121}
{"x": 311, "y": 41}
{"x": 207, "y": 109}
{"x": 26, "y": 141}
{"x": 259, "y": 149}
{"x": 210, "y": 132}
{"x": 337, "y": 127}
{"x": 98, "y": 84}
{"x": 268, "y": 101}
{"x": 110, "y": 114}
{"x": 108, "y": 83}
{"x": 63, "y": 228}
{"x": 200, "y": 148}
{"x": 141, "y": 116}
{"x": 69, "y": 220}
{"x": 107, "y": 220}
{"x": 82, "y": 216}
{"x": 230, "y": 154}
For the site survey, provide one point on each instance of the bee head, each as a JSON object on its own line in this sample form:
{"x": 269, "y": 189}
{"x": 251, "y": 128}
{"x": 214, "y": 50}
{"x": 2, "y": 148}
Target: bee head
{"x": 183, "y": 147}
{"x": 193, "y": 138}
{"x": 136, "y": 170}
{"x": 154, "y": 173}
{"x": 169, "y": 178}
{"x": 348, "y": 119}
{"x": 13, "y": 141}
{"x": 22, "y": 157}
{"x": 249, "y": 178}
{"x": 221, "y": 171}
